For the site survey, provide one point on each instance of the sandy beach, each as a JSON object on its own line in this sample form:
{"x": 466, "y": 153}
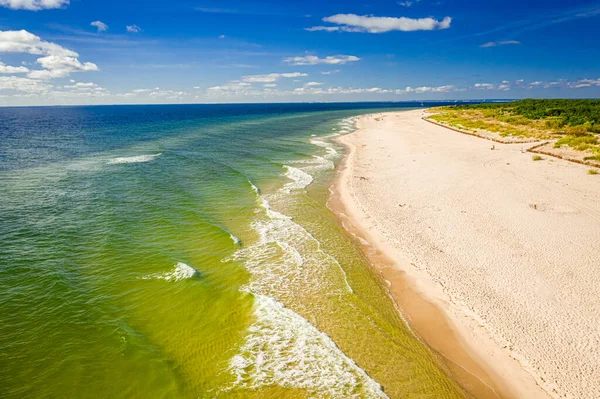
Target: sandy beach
{"x": 493, "y": 258}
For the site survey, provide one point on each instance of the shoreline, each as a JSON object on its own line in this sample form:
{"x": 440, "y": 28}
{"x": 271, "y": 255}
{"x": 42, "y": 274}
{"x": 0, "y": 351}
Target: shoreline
{"x": 476, "y": 358}
{"x": 425, "y": 315}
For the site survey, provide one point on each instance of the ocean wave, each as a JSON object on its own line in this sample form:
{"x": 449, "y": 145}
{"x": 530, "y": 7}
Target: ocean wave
{"x": 331, "y": 152}
{"x": 254, "y": 187}
{"x": 347, "y": 125}
{"x": 300, "y": 179}
{"x": 134, "y": 159}
{"x": 282, "y": 348}
{"x": 181, "y": 271}
{"x": 235, "y": 239}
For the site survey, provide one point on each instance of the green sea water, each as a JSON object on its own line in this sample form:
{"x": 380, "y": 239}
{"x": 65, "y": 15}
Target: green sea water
{"x": 181, "y": 252}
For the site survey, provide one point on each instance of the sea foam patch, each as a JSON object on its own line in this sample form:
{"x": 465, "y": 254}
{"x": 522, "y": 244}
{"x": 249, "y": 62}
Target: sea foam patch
{"x": 282, "y": 348}
{"x": 135, "y": 159}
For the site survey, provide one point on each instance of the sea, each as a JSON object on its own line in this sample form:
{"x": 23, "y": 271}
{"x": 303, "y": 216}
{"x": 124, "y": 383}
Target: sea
{"x": 188, "y": 251}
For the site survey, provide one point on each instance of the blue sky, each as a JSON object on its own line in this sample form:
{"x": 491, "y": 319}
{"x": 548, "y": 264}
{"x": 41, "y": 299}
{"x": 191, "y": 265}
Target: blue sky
{"x": 107, "y": 52}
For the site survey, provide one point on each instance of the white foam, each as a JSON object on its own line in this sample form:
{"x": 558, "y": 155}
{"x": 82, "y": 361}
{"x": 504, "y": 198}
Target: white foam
{"x": 282, "y": 348}
{"x": 181, "y": 271}
{"x": 331, "y": 152}
{"x": 320, "y": 143}
{"x": 256, "y": 189}
{"x": 135, "y": 159}
{"x": 235, "y": 239}
{"x": 300, "y": 178}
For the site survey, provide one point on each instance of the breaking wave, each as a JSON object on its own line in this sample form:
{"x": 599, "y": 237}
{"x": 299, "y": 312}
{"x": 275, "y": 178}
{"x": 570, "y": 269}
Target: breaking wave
{"x": 282, "y": 348}
{"x": 181, "y": 271}
{"x": 300, "y": 179}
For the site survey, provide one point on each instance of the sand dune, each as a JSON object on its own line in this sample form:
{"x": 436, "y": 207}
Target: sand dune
{"x": 507, "y": 247}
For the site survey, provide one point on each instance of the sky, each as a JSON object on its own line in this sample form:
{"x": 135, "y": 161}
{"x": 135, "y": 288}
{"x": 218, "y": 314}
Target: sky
{"x": 62, "y": 52}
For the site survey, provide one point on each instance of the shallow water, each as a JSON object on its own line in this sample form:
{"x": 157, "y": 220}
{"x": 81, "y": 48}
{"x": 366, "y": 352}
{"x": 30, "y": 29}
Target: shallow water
{"x": 187, "y": 251}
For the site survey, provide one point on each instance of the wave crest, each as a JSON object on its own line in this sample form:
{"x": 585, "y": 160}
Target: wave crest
{"x": 135, "y": 159}
{"x": 181, "y": 271}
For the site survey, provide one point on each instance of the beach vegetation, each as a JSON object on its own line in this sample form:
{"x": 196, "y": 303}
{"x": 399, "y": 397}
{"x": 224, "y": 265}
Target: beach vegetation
{"x": 593, "y": 172}
{"x": 578, "y": 142}
{"x": 537, "y": 158}
{"x": 570, "y": 123}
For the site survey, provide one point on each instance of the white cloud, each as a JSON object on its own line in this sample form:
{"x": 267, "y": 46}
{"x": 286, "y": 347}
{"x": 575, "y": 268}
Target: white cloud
{"x": 133, "y": 28}
{"x": 504, "y": 86}
{"x": 407, "y": 3}
{"x": 60, "y": 67}
{"x": 487, "y": 86}
{"x": 431, "y": 89}
{"x": 25, "y": 85}
{"x": 222, "y": 37}
{"x": 304, "y": 90}
{"x": 314, "y": 60}
{"x": 583, "y": 83}
{"x": 21, "y": 41}
{"x": 169, "y": 94}
{"x": 81, "y": 89}
{"x": 11, "y": 69}
{"x": 371, "y": 24}
{"x": 330, "y": 72}
{"x": 102, "y": 27}
{"x": 323, "y": 28}
{"x": 269, "y": 85}
{"x": 271, "y": 77}
{"x": 502, "y": 43}
{"x": 57, "y": 61}
{"x": 33, "y": 5}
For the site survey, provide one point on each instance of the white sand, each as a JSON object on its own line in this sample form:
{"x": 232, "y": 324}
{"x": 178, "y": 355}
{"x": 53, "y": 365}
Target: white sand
{"x": 509, "y": 248}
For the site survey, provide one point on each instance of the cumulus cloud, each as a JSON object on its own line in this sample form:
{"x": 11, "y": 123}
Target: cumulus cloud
{"x": 60, "y": 67}
{"x": 271, "y": 77}
{"x": 502, "y": 43}
{"x": 372, "y": 24}
{"x": 314, "y": 60}
{"x": 57, "y": 61}
{"x": 11, "y": 69}
{"x": 504, "y": 86}
{"x": 33, "y": 5}
{"x": 487, "y": 86}
{"x": 102, "y": 27}
{"x": 133, "y": 29}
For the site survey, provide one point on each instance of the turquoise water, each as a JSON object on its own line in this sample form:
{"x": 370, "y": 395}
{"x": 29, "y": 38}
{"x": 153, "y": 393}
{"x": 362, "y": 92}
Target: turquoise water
{"x": 187, "y": 251}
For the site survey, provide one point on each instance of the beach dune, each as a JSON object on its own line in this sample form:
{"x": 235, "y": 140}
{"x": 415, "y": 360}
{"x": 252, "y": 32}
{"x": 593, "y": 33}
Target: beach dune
{"x": 507, "y": 248}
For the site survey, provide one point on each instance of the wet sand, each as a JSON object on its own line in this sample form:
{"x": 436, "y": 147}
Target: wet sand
{"x": 491, "y": 257}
